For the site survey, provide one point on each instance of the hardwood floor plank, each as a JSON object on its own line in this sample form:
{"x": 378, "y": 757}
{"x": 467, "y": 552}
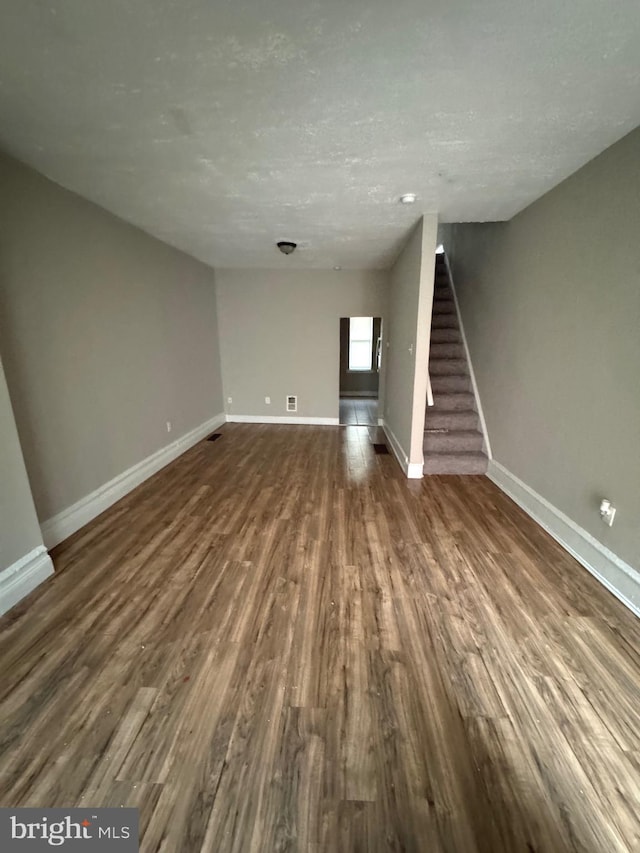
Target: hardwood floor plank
{"x": 120, "y": 744}
{"x": 523, "y": 817}
{"x": 278, "y": 643}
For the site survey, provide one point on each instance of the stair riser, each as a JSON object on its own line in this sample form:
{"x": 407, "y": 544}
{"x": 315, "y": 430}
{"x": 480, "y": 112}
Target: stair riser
{"x": 447, "y": 366}
{"x": 443, "y": 442}
{"x": 451, "y": 420}
{"x": 451, "y": 465}
{"x": 443, "y": 306}
{"x": 445, "y": 336}
{"x": 444, "y": 321}
{"x": 446, "y": 350}
{"x": 449, "y": 383}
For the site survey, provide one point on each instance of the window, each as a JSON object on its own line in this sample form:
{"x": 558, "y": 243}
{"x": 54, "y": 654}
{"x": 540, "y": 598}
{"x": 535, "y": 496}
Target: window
{"x": 360, "y": 343}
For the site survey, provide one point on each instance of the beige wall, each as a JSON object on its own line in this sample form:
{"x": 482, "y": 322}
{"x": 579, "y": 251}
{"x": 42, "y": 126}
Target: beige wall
{"x": 105, "y": 333}
{"x": 19, "y": 529}
{"x": 551, "y": 307}
{"x": 408, "y": 334}
{"x": 280, "y": 335}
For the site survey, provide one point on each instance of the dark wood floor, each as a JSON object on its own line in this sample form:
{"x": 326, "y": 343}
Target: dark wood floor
{"x": 279, "y": 643}
{"x": 362, "y": 411}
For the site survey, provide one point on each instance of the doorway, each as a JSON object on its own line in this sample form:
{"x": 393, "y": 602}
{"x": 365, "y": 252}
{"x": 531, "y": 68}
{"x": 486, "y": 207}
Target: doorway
{"x": 360, "y": 358}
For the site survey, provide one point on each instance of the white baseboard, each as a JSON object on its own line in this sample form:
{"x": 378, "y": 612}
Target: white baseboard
{"x": 414, "y": 471}
{"x": 269, "y": 419}
{"x": 62, "y": 525}
{"x": 474, "y": 384}
{"x": 23, "y": 576}
{"x": 619, "y": 577}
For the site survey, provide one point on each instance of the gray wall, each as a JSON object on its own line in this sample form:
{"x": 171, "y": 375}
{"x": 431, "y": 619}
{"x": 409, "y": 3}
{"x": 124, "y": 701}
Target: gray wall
{"x": 19, "y": 529}
{"x": 105, "y": 333}
{"x": 551, "y": 308}
{"x": 280, "y": 335}
{"x": 408, "y": 334}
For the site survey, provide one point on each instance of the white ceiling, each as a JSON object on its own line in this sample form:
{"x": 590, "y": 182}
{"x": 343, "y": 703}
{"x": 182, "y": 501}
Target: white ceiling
{"x": 222, "y": 126}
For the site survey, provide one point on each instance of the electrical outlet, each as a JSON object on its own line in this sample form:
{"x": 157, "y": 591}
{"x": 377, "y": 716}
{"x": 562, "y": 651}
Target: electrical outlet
{"x": 229, "y": 400}
{"x": 267, "y": 400}
{"x": 168, "y": 426}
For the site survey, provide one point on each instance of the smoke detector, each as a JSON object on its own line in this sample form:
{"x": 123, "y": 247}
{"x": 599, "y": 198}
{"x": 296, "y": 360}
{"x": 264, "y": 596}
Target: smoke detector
{"x": 408, "y": 198}
{"x": 286, "y": 247}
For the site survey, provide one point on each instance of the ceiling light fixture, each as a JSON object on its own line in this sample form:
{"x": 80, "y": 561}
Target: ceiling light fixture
{"x": 286, "y": 247}
{"x": 336, "y": 268}
{"x": 408, "y": 198}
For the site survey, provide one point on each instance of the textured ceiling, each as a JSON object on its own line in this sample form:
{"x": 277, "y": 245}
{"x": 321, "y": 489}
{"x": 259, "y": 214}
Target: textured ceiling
{"x": 224, "y": 126}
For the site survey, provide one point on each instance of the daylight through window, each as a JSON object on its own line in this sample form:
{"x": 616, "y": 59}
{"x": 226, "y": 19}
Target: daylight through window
{"x": 360, "y": 343}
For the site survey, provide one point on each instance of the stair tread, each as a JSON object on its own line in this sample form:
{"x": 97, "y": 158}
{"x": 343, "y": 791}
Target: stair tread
{"x": 447, "y": 401}
{"x": 452, "y": 419}
{"x": 438, "y": 381}
{"x": 448, "y": 366}
{"x": 444, "y": 321}
{"x": 460, "y": 454}
{"x": 452, "y": 431}
{"x": 452, "y": 336}
{"x": 447, "y": 381}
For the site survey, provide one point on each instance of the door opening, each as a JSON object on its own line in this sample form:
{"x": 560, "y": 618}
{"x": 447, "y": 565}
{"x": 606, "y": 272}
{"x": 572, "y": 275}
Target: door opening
{"x": 360, "y": 359}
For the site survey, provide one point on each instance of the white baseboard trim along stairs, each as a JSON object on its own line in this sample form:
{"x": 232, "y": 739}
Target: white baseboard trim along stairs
{"x": 618, "y": 577}
{"x": 23, "y": 576}
{"x": 412, "y": 470}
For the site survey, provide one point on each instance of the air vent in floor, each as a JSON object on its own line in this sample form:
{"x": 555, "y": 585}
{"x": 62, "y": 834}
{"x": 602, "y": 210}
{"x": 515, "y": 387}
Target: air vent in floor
{"x": 214, "y": 436}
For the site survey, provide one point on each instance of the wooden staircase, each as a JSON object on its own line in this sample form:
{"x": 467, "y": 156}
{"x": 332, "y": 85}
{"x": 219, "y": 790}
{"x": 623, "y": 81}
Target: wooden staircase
{"x": 453, "y": 442}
